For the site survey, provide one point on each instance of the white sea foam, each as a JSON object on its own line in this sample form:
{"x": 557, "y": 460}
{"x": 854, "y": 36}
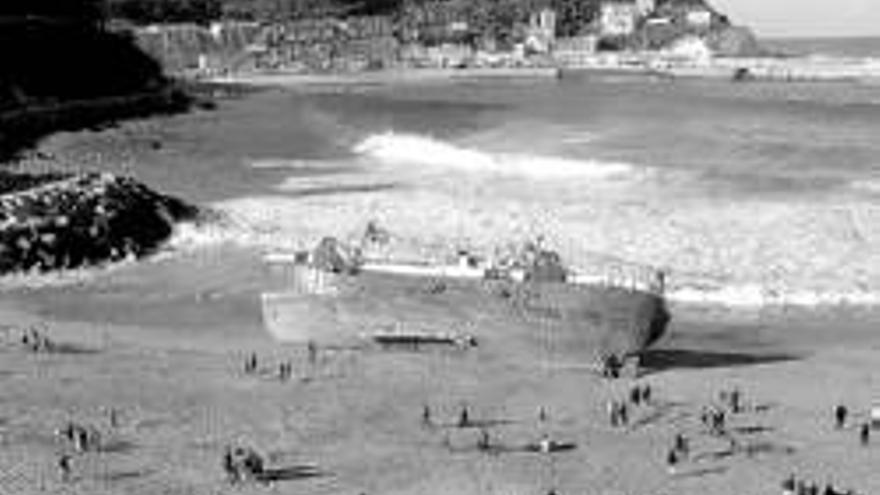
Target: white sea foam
{"x": 415, "y": 150}
{"x": 867, "y": 185}
{"x": 744, "y": 252}
{"x": 758, "y": 296}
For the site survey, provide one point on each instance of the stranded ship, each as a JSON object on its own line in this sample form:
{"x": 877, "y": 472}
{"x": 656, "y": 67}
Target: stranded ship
{"x": 337, "y": 294}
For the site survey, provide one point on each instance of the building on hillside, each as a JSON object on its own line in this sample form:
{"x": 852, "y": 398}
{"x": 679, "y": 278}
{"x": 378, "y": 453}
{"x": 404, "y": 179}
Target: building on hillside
{"x": 541, "y": 31}
{"x": 645, "y": 7}
{"x": 618, "y": 17}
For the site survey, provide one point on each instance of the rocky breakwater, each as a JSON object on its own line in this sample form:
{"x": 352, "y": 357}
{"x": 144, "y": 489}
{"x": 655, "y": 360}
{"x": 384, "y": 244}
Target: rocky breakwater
{"x": 84, "y": 219}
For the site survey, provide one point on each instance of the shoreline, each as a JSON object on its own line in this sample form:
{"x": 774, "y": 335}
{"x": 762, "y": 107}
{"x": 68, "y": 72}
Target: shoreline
{"x": 392, "y": 76}
{"x": 644, "y": 64}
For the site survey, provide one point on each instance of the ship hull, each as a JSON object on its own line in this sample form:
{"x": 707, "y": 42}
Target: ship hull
{"x": 587, "y": 321}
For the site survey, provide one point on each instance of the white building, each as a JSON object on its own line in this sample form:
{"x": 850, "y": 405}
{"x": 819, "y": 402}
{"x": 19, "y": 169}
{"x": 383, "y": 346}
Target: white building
{"x": 618, "y": 17}
{"x": 699, "y": 18}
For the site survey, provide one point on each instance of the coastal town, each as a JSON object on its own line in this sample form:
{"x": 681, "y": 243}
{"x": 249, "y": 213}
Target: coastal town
{"x": 669, "y": 38}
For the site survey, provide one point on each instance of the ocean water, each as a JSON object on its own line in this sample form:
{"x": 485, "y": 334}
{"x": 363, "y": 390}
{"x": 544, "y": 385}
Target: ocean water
{"x": 746, "y": 194}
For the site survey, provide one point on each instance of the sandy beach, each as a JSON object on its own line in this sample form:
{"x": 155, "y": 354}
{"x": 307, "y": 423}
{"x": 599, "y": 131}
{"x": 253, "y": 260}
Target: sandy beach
{"x": 181, "y": 395}
{"x": 162, "y": 342}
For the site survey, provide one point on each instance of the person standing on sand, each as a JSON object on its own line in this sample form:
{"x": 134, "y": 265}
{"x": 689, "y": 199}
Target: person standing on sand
{"x": 682, "y": 445}
{"x": 635, "y": 395}
{"x": 736, "y": 400}
{"x": 426, "y": 416}
{"x": 484, "y": 443}
{"x": 64, "y": 467}
{"x": 613, "y": 413}
{"x": 250, "y": 364}
{"x": 865, "y": 434}
{"x": 229, "y": 466}
{"x": 718, "y": 422}
{"x": 285, "y": 370}
{"x": 672, "y": 461}
{"x": 464, "y": 418}
{"x": 313, "y": 353}
{"x": 840, "y": 413}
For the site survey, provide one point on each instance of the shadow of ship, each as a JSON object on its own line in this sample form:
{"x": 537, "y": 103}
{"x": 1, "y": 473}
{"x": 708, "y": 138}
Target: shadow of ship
{"x": 332, "y": 296}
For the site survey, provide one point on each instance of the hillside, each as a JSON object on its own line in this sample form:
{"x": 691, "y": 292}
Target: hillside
{"x": 73, "y": 75}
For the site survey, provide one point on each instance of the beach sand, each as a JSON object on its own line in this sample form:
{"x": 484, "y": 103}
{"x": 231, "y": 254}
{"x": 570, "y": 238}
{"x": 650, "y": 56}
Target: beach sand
{"x": 163, "y": 343}
{"x": 181, "y": 395}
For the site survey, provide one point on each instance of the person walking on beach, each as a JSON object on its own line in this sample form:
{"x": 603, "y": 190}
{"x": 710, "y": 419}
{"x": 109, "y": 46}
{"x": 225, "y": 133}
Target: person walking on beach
{"x": 285, "y": 370}
{"x": 613, "y": 417}
{"x": 426, "y": 416}
{"x": 865, "y": 434}
{"x": 718, "y": 422}
{"x": 788, "y": 485}
{"x": 672, "y": 461}
{"x": 736, "y": 400}
{"x": 682, "y": 445}
{"x": 229, "y": 466}
{"x": 484, "y": 443}
{"x": 840, "y": 413}
{"x": 64, "y": 467}
{"x": 250, "y": 364}
{"x": 114, "y": 417}
{"x": 464, "y": 418}
{"x": 635, "y": 395}
{"x": 623, "y": 413}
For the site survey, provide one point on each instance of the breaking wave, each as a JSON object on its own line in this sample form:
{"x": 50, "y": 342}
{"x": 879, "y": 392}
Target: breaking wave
{"x": 743, "y": 252}
{"x": 415, "y": 150}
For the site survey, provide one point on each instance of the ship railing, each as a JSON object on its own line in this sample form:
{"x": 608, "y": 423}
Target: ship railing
{"x": 629, "y": 277}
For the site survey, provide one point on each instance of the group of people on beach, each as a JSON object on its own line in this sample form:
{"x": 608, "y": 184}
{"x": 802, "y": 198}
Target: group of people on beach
{"x": 242, "y": 464}
{"x": 794, "y": 486}
{"x": 618, "y": 410}
{"x": 285, "y": 368}
{"x": 36, "y": 340}
{"x": 82, "y": 438}
{"x": 714, "y": 419}
{"x": 841, "y": 415}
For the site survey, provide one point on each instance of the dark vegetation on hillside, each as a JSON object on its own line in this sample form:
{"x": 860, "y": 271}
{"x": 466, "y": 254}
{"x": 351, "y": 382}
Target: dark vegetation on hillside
{"x": 61, "y": 70}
